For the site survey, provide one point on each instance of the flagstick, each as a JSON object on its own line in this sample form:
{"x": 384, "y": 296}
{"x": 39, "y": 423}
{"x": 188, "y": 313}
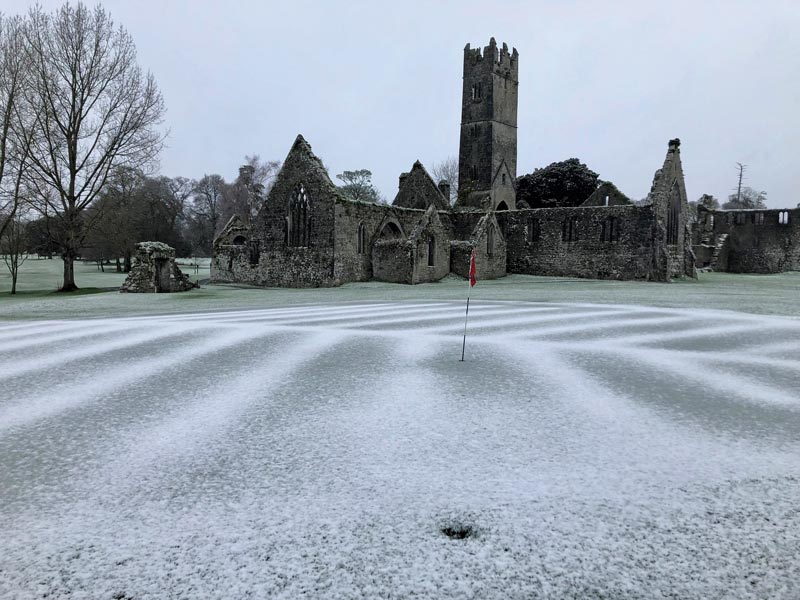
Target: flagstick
{"x": 466, "y": 315}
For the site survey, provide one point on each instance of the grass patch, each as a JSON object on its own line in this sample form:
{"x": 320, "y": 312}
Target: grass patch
{"x": 98, "y": 296}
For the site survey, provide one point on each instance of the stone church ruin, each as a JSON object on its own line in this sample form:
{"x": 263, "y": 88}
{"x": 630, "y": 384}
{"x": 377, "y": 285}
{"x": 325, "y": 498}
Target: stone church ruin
{"x": 748, "y": 241}
{"x": 307, "y": 233}
{"x": 155, "y": 271}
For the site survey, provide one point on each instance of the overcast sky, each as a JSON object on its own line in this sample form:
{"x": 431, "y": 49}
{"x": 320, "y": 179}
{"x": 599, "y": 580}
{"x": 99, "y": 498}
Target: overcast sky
{"x": 377, "y": 85}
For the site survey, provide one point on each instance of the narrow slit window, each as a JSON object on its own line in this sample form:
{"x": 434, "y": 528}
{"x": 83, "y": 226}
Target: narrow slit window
{"x": 533, "y": 230}
{"x": 362, "y": 238}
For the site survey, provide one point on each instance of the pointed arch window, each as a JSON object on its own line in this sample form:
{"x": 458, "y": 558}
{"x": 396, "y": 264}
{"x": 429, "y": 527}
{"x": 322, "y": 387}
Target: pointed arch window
{"x": 490, "y": 242}
{"x": 298, "y": 222}
{"x": 431, "y": 251}
{"x": 362, "y": 238}
{"x": 673, "y": 215}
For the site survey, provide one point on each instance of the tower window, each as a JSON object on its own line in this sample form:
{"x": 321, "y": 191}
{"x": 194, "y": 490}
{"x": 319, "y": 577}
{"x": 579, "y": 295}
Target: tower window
{"x": 504, "y": 178}
{"x": 477, "y": 91}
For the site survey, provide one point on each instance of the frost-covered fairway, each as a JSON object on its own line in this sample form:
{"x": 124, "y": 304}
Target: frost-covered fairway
{"x": 595, "y": 450}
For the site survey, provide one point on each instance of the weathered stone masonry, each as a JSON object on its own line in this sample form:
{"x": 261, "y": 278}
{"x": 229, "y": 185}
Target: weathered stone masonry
{"x": 748, "y": 241}
{"x": 308, "y": 234}
{"x": 616, "y": 242}
{"x": 155, "y": 271}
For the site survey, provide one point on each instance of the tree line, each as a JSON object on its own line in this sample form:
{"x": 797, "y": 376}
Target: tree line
{"x": 80, "y": 134}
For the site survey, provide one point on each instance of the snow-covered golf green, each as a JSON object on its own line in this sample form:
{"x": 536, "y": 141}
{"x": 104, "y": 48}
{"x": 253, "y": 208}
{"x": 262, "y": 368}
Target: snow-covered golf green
{"x": 601, "y": 440}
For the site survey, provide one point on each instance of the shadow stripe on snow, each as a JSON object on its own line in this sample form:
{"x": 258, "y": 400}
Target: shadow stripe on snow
{"x": 29, "y": 409}
{"x": 188, "y": 429}
{"x": 129, "y": 338}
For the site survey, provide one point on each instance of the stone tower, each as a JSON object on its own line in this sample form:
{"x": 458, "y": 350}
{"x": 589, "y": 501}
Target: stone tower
{"x": 487, "y": 159}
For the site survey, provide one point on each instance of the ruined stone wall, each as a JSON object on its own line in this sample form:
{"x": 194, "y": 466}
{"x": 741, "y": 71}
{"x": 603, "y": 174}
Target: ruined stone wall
{"x": 490, "y": 250}
{"x": 430, "y": 266}
{"x": 155, "y": 271}
{"x": 393, "y": 261}
{"x": 273, "y": 262}
{"x": 607, "y": 194}
{"x": 417, "y": 189}
{"x": 349, "y": 265}
{"x": 229, "y": 260}
{"x": 669, "y": 201}
{"x": 757, "y": 242}
{"x": 230, "y": 264}
{"x": 635, "y": 250}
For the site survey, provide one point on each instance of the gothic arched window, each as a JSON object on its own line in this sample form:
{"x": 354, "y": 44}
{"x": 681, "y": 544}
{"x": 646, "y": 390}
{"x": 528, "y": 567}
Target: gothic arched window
{"x": 673, "y": 215}
{"x": 298, "y": 222}
{"x": 431, "y": 251}
{"x": 490, "y": 242}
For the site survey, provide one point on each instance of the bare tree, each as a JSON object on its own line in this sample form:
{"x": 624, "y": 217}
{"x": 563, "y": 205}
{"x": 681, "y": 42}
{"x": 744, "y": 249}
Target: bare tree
{"x": 206, "y": 211}
{"x": 246, "y": 194}
{"x": 113, "y": 215}
{"x": 99, "y": 111}
{"x": 264, "y": 171}
{"x": 741, "y": 168}
{"x": 14, "y": 134}
{"x": 13, "y": 243}
{"x": 447, "y": 170}
{"x": 179, "y": 191}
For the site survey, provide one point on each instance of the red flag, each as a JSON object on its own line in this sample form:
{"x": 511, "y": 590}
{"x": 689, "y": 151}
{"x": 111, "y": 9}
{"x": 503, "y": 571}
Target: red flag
{"x": 472, "y": 276}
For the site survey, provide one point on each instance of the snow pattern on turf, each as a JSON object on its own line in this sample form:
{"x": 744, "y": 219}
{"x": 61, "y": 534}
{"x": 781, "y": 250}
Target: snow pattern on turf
{"x": 593, "y": 451}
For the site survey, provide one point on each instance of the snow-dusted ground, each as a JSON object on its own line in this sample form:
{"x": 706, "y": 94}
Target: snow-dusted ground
{"x": 596, "y": 451}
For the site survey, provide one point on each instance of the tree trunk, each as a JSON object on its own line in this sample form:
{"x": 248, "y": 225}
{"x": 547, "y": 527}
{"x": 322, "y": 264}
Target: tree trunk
{"x": 69, "y": 274}
{"x": 13, "y": 284}
{"x": 119, "y": 265}
{"x": 127, "y": 262}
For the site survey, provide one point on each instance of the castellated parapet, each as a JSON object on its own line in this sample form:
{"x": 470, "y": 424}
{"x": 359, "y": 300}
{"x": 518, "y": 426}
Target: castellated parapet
{"x": 492, "y": 59}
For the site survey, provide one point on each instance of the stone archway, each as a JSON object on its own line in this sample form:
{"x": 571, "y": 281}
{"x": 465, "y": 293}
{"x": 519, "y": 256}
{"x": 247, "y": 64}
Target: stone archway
{"x": 502, "y": 206}
{"x": 390, "y": 231}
